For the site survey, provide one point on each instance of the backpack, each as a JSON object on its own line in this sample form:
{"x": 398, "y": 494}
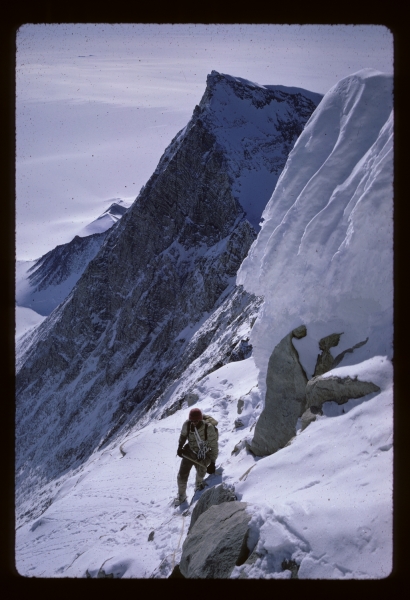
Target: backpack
{"x": 210, "y": 420}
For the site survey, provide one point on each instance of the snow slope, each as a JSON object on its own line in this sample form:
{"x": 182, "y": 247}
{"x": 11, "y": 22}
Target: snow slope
{"x": 328, "y": 510}
{"x": 327, "y": 498}
{"x": 26, "y": 319}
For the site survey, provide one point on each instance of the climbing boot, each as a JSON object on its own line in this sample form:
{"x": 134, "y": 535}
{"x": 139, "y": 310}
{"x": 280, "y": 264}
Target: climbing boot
{"x": 179, "y": 500}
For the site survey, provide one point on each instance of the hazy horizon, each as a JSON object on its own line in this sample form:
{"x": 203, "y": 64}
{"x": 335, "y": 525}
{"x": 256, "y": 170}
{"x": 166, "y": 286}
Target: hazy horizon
{"x": 96, "y": 105}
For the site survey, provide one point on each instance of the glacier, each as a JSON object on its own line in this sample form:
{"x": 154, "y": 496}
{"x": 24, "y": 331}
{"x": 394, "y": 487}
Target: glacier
{"x": 323, "y": 258}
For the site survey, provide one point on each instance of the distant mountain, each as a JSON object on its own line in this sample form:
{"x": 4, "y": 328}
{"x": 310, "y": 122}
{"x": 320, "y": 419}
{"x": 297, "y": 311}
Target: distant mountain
{"x": 108, "y": 218}
{"x": 44, "y": 283}
{"x": 161, "y": 288}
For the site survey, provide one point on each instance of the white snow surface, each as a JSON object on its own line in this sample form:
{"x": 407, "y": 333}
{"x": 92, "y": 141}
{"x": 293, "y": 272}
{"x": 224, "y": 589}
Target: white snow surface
{"x": 324, "y": 255}
{"x": 320, "y": 501}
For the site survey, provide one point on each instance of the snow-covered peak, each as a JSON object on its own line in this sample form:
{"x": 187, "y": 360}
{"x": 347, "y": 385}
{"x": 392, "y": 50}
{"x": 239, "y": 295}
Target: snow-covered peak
{"x": 256, "y": 126}
{"x": 107, "y": 219}
{"x": 246, "y": 88}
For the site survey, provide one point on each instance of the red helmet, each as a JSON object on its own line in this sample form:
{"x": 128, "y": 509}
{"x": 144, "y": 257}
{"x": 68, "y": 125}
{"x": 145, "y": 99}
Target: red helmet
{"x": 195, "y": 414}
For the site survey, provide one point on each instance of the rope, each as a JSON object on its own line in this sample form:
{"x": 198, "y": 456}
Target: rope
{"x": 125, "y": 441}
{"x": 179, "y": 541}
{"x": 202, "y": 446}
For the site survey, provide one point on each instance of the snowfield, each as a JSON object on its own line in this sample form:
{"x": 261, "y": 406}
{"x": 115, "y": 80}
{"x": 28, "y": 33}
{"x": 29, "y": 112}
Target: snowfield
{"x": 320, "y": 501}
{"x": 324, "y": 259}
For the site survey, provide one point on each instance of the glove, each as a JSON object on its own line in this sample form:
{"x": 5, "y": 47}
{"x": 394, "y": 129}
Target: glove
{"x": 211, "y": 468}
{"x": 179, "y": 451}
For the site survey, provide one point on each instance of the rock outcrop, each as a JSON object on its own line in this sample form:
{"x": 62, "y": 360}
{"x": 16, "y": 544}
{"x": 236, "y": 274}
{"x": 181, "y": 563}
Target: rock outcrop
{"x": 332, "y": 389}
{"x": 309, "y": 416}
{"x": 325, "y": 361}
{"x": 217, "y": 542}
{"x": 285, "y": 397}
{"x": 215, "y": 495}
{"x": 336, "y": 389}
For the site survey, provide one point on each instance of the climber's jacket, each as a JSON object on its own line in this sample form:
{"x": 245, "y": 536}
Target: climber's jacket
{"x": 206, "y": 431}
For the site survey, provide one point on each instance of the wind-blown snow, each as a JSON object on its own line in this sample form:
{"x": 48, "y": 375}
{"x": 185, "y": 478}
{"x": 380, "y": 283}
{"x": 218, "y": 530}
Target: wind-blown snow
{"x": 325, "y": 251}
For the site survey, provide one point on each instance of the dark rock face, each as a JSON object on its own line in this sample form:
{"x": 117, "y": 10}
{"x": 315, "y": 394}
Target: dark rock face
{"x": 213, "y": 496}
{"x": 309, "y": 416}
{"x": 217, "y": 542}
{"x": 241, "y": 351}
{"x": 285, "y": 397}
{"x": 53, "y": 276}
{"x": 161, "y": 268}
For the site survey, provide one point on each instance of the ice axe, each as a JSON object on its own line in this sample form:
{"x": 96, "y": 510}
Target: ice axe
{"x": 197, "y": 463}
{"x": 193, "y": 460}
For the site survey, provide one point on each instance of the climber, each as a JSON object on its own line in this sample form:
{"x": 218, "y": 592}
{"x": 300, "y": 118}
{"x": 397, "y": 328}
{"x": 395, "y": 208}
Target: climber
{"x": 202, "y": 448}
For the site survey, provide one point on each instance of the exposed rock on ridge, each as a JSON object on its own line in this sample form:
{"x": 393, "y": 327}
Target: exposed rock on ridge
{"x": 213, "y": 496}
{"x": 51, "y": 278}
{"x": 285, "y": 397}
{"x": 325, "y": 361}
{"x": 290, "y": 396}
{"x": 336, "y": 389}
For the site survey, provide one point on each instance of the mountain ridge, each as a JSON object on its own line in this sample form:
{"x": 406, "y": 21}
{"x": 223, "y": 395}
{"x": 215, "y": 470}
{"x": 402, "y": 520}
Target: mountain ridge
{"x": 114, "y": 344}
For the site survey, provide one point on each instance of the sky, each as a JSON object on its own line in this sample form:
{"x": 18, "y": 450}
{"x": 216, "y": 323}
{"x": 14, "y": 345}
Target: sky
{"x": 97, "y": 104}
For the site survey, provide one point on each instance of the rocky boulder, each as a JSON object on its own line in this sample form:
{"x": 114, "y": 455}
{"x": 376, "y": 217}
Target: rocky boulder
{"x": 215, "y": 495}
{"x": 309, "y": 416}
{"x": 337, "y": 389}
{"x": 285, "y": 397}
{"x": 217, "y": 542}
